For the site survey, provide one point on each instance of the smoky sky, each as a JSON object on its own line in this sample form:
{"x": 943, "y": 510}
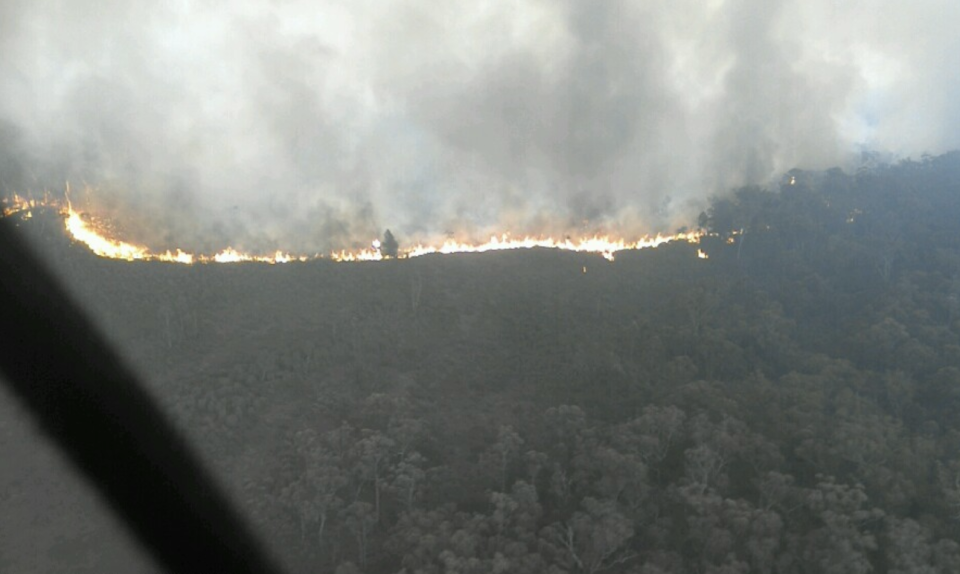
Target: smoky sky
{"x": 316, "y": 125}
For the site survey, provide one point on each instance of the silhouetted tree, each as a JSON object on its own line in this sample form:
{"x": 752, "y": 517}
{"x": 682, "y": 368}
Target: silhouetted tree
{"x": 389, "y": 247}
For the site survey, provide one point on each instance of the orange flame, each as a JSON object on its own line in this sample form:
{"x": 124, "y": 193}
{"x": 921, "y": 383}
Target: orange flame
{"x": 98, "y": 240}
{"x": 604, "y": 246}
{"x": 19, "y": 204}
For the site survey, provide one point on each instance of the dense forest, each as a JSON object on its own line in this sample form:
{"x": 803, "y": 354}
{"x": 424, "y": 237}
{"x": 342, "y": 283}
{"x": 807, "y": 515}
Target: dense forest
{"x": 789, "y": 405}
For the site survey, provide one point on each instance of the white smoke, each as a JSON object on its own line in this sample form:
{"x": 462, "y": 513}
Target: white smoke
{"x": 309, "y": 125}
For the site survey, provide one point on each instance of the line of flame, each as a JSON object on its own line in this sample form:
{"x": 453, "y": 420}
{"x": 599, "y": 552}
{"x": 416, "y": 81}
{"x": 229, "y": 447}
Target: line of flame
{"x": 98, "y": 242}
{"x": 597, "y": 244}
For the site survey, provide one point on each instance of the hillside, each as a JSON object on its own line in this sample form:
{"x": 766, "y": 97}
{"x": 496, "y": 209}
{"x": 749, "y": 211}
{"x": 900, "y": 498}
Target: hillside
{"x": 789, "y": 405}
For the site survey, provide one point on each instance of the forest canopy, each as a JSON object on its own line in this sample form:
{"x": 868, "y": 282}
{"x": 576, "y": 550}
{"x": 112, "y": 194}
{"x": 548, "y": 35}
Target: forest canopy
{"x": 789, "y": 405}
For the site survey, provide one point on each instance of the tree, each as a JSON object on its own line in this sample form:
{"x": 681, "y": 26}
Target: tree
{"x": 844, "y": 541}
{"x": 389, "y": 247}
{"x": 408, "y": 478}
{"x": 502, "y": 453}
{"x": 621, "y": 477}
{"x": 651, "y": 435}
{"x": 374, "y": 451}
{"x": 314, "y": 495}
{"x": 908, "y": 548}
{"x": 359, "y": 519}
{"x": 592, "y": 540}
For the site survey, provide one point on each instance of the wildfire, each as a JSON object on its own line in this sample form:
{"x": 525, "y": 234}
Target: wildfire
{"x": 99, "y": 244}
{"x": 601, "y": 245}
{"x": 25, "y": 206}
{"x": 98, "y": 239}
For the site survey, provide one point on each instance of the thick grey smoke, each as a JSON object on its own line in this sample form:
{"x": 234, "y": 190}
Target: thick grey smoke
{"x": 311, "y": 125}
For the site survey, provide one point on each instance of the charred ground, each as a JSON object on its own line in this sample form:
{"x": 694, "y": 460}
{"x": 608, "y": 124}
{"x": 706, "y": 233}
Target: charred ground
{"x": 789, "y": 404}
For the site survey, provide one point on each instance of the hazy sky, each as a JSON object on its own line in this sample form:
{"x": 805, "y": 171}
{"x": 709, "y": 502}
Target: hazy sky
{"x": 310, "y": 125}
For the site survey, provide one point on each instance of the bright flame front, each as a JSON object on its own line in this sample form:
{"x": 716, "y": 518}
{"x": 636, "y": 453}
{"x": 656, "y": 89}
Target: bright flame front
{"x": 99, "y": 240}
{"x": 604, "y": 246}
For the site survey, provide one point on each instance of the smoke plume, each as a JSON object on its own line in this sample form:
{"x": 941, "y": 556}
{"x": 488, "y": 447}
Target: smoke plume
{"x": 313, "y": 125}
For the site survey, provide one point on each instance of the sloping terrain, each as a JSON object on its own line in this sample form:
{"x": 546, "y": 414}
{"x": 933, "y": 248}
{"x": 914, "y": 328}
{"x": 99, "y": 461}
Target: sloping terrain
{"x": 788, "y": 405}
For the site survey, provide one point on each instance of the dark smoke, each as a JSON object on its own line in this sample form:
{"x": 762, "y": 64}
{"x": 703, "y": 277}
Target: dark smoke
{"x": 313, "y": 125}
